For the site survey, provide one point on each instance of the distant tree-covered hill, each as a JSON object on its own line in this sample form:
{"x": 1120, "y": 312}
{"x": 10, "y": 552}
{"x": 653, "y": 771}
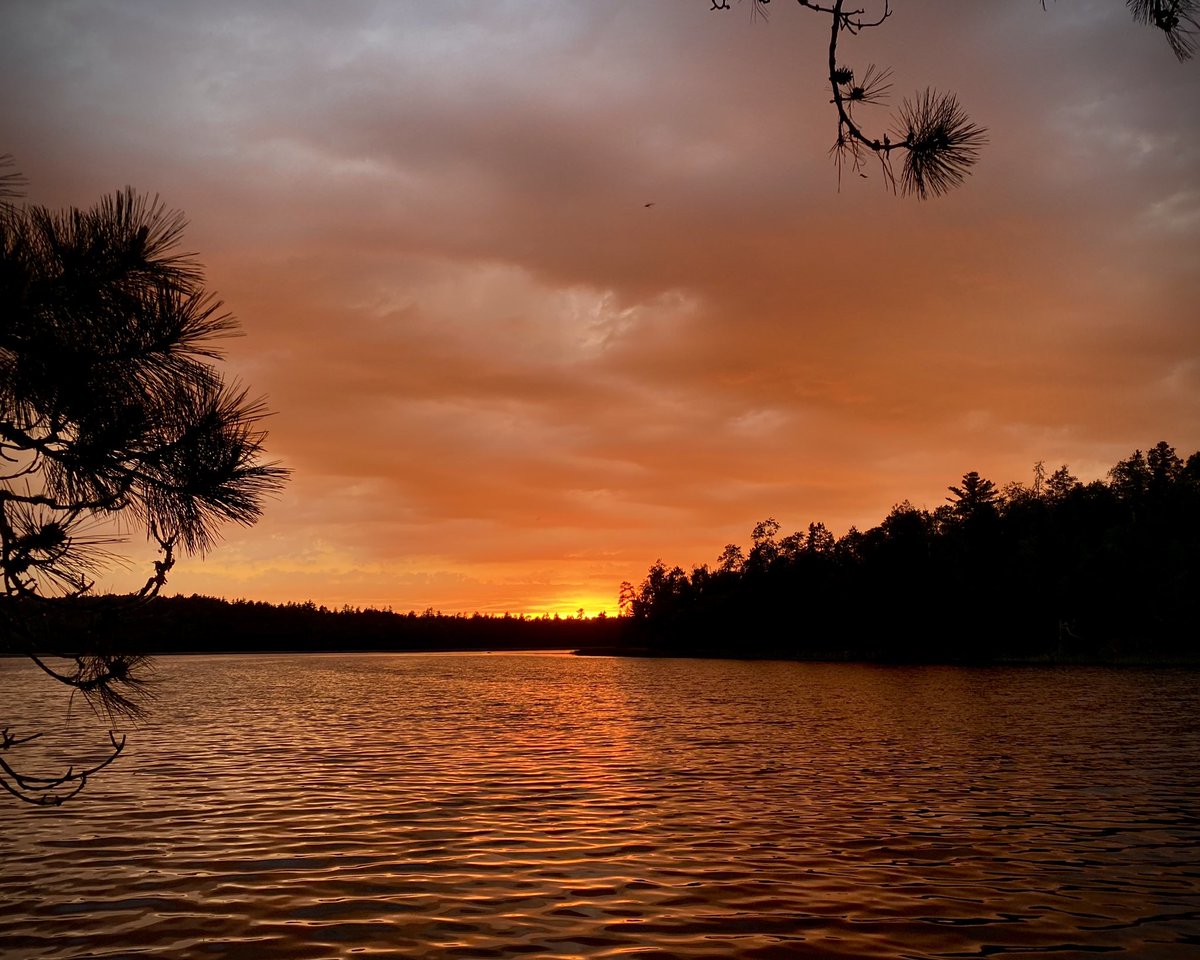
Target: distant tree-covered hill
{"x": 206, "y": 624}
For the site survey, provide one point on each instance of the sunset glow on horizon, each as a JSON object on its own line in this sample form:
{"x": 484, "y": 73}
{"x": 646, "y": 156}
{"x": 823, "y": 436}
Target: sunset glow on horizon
{"x": 541, "y": 293}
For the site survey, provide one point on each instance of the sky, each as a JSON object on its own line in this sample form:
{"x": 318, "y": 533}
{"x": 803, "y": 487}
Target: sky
{"x": 540, "y": 292}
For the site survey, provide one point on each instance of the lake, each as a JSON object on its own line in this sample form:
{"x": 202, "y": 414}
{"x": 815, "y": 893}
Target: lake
{"x": 551, "y": 806}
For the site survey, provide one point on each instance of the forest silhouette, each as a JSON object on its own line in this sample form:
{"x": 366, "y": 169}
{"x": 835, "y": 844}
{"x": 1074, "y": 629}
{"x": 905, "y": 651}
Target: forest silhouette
{"x": 200, "y": 624}
{"x": 1057, "y": 570}
{"x": 1054, "y": 571}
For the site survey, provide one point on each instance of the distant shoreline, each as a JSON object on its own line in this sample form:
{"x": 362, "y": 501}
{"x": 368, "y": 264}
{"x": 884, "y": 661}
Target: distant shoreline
{"x": 198, "y": 626}
{"x": 647, "y": 653}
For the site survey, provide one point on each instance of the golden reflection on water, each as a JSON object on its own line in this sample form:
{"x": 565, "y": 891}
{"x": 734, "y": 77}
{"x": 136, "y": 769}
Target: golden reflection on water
{"x": 551, "y": 806}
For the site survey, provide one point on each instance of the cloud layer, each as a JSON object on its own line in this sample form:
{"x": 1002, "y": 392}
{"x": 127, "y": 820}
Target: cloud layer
{"x": 505, "y": 382}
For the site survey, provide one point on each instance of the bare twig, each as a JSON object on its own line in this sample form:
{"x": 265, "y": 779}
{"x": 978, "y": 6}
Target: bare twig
{"x": 48, "y": 791}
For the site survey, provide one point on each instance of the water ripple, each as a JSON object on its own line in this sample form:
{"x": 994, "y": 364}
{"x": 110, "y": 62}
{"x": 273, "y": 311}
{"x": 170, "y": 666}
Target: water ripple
{"x": 479, "y": 806}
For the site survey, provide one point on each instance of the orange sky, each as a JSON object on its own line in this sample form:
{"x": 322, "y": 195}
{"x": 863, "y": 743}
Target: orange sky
{"x": 504, "y": 383}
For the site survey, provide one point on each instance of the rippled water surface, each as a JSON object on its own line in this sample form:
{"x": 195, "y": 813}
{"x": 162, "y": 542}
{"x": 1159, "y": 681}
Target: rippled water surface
{"x": 549, "y": 806}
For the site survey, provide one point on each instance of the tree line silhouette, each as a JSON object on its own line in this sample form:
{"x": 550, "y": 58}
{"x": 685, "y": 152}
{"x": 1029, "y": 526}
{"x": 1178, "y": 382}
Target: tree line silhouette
{"x": 200, "y": 624}
{"x": 1055, "y": 570}
{"x": 1059, "y": 569}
